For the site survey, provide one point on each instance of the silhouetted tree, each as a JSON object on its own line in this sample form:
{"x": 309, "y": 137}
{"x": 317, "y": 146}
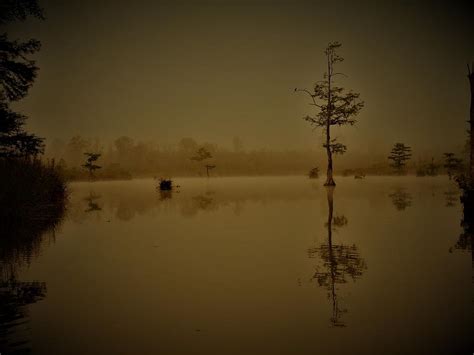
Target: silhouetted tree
{"x": 399, "y": 155}
{"x": 470, "y": 75}
{"x": 452, "y": 165}
{"x": 90, "y": 163}
{"x": 201, "y": 155}
{"x": 335, "y": 107}
{"x": 466, "y": 183}
{"x": 19, "y": 10}
{"x": 17, "y": 74}
{"x": 466, "y": 240}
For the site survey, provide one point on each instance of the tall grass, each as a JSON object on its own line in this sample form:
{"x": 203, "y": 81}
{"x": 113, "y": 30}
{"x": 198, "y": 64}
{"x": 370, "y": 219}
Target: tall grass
{"x": 30, "y": 187}
{"x": 32, "y": 201}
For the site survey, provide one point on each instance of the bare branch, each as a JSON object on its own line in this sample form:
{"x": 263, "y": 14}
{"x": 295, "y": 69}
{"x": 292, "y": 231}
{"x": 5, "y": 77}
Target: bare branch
{"x": 311, "y": 95}
{"x": 304, "y": 90}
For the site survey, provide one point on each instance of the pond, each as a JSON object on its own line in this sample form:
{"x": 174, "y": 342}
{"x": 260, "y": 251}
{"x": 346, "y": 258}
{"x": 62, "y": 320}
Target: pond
{"x": 244, "y": 265}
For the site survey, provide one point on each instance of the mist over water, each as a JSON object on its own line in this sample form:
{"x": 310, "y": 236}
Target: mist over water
{"x": 168, "y": 175}
{"x": 260, "y": 265}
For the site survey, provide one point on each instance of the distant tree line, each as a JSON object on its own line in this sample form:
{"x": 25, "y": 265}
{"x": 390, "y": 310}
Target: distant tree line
{"x": 450, "y": 164}
{"x": 126, "y": 157}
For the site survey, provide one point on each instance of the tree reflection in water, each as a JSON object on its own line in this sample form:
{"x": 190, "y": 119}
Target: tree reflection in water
{"x": 20, "y": 241}
{"x": 466, "y": 239}
{"x": 451, "y": 197}
{"x": 338, "y": 262}
{"x": 92, "y": 204}
{"x": 401, "y": 199}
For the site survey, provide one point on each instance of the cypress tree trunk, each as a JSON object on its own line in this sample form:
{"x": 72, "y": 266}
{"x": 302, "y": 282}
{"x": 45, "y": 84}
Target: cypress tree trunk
{"x": 468, "y": 198}
{"x": 471, "y": 123}
{"x": 329, "y": 178}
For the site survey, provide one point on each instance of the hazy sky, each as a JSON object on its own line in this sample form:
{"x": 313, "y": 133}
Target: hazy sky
{"x": 213, "y": 70}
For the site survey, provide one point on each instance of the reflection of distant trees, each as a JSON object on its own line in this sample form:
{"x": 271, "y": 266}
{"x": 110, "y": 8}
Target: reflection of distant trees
{"x": 198, "y": 203}
{"x": 204, "y": 202}
{"x": 92, "y": 204}
{"x": 401, "y": 199}
{"x": 128, "y": 200}
{"x": 338, "y": 262}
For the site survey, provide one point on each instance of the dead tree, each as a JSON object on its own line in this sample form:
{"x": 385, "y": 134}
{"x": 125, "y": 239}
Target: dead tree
{"x": 201, "y": 155}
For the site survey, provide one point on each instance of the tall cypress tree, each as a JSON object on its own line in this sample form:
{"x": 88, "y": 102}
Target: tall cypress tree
{"x": 335, "y": 106}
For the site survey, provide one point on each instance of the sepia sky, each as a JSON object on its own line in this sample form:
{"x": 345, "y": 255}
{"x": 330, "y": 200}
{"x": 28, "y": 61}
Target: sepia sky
{"x": 212, "y": 70}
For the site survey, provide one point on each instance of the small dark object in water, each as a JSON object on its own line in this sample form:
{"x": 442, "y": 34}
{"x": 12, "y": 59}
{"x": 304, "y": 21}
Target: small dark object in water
{"x": 359, "y": 176}
{"x": 166, "y": 184}
{"x": 314, "y": 173}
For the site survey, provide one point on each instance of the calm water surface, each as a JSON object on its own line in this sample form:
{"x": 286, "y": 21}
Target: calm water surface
{"x": 276, "y": 265}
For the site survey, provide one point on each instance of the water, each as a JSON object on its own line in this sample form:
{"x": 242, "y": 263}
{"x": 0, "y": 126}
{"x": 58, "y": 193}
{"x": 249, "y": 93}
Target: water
{"x": 276, "y": 265}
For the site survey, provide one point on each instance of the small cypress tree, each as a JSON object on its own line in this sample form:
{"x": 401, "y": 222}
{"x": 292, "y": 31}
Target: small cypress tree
{"x": 89, "y": 164}
{"x": 399, "y": 155}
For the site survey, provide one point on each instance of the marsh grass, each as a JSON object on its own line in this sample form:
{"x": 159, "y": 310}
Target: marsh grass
{"x": 32, "y": 201}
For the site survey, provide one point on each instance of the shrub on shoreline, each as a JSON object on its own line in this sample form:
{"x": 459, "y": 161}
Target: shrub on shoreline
{"x": 29, "y": 189}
